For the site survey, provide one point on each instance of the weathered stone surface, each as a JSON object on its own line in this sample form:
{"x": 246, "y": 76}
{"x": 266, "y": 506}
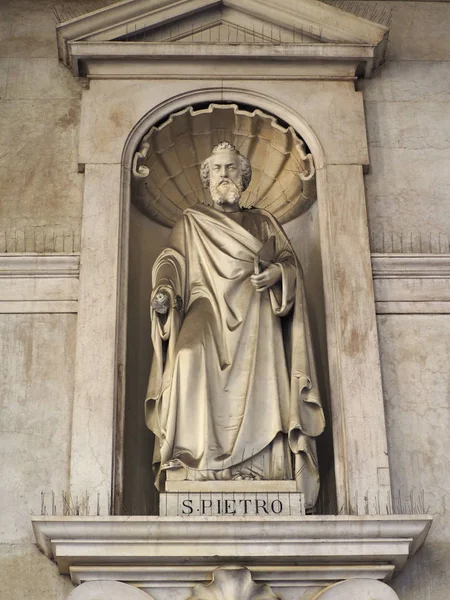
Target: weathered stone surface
{"x": 39, "y": 113}
{"x": 36, "y": 382}
{"x": 26, "y": 574}
{"x": 4, "y": 64}
{"x": 407, "y": 193}
{"x": 414, "y": 359}
{"x": 408, "y": 81}
{"x": 39, "y": 79}
{"x": 416, "y": 383}
{"x": 390, "y": 126}
{"x": 28, "y": 29}
{"x": 418, "y": 33}
{"x": 39, "y": 182}
{"x": 418, "y": 30}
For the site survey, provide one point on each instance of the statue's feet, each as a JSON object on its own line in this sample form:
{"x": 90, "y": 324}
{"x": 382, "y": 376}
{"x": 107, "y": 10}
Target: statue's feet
{"x": 239, "y": 476}
{"x": 172, "y": 464}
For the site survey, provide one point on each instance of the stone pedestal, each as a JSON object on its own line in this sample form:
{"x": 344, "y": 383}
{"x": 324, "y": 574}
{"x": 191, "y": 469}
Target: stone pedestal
{"x": 209, "y": 504}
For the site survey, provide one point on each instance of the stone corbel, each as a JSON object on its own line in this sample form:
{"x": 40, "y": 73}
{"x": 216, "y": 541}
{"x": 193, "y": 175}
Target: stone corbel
{"x": 232, "y": 583}
{"x": 236, "y": 583}
{"x": 107, "y": 590}
{"x": 357, "y": 589}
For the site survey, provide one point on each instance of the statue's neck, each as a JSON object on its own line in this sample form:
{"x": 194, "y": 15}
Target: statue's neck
{"x": 228, "y": 208}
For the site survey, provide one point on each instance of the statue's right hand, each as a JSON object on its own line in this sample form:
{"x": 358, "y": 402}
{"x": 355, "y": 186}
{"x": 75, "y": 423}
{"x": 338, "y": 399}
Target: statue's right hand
{"x": 161, "y": 303}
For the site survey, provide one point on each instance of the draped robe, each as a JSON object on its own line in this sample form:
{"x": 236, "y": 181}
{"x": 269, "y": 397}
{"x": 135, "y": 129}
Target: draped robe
{"x": 233, "y": 369}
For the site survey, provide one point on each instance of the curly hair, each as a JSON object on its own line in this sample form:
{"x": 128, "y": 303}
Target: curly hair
{"x": 246, "y": 167}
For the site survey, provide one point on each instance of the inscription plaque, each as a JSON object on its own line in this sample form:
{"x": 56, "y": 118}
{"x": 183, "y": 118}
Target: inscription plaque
{"x": 270, "y": 504}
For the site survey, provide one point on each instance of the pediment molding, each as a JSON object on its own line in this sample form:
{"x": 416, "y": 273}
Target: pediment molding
{"x": 149, "y": 30}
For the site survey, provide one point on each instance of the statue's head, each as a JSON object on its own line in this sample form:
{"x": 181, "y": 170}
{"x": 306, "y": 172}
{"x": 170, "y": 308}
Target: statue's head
{"x": 227, "y": 173}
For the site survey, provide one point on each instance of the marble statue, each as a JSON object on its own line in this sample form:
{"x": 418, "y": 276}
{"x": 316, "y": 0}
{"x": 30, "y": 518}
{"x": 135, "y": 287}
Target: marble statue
{"x": 232, "y": 392}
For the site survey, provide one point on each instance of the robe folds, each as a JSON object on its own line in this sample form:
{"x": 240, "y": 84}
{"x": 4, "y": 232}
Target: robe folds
{"x": 233, "y": 369}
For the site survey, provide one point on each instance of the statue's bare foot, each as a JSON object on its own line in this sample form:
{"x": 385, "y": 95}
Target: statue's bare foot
{"x": 172, "y": 464}
{"x": 239, "y": 476}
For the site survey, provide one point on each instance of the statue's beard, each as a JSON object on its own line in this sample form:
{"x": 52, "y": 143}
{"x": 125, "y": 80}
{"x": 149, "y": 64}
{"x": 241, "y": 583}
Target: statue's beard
{"x": 226, "y": 191}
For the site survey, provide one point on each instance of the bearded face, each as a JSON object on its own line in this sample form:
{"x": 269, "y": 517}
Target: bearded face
{"x": 225, "y": 183}
{"x": 226, "y": 191}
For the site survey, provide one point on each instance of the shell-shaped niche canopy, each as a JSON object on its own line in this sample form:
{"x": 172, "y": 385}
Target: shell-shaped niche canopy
{"x": 166, "y": 167}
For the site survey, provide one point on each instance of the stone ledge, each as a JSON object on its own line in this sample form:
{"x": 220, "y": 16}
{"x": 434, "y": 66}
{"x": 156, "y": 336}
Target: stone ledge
{"x": 213, "y": 541}
{"x": 416, "y": 266}
{"x": 39, "y": 283}
{"x": 34, "y": 264}
{"x": 411, "y": 283}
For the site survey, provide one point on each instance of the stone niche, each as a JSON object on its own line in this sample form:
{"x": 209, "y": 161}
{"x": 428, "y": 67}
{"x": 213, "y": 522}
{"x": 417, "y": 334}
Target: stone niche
{"x": 165, "y": 180}
{"x": 166, "y": 80}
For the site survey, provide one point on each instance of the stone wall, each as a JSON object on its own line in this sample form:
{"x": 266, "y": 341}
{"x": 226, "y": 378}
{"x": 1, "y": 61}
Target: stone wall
{"x": 408, "y": 117}
{"x": 40, "y": 210}
{"x": 40, "y": 187}
{"x": 407, "y": 106}
{"x": 408, "y": 112}
{"x": 36, "y": 389}
{"x": 415, "y": 352}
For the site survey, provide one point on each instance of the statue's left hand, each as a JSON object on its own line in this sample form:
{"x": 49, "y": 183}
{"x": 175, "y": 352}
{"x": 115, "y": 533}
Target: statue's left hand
{"x": 160, "y": 303}
{"x": 269, "y": 277}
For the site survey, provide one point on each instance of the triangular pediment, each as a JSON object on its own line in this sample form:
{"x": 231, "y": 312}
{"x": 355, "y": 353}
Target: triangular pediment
{"x": 221, "y": 25}
{"x": 232, "y": 22}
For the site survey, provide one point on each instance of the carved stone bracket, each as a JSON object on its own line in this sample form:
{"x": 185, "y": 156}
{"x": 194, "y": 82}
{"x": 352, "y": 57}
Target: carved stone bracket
{"x": 232, "y": 583}
{"x": 357, "y": 589}
{"x": 107, "y": 590}
{"x": 236, "y": 583}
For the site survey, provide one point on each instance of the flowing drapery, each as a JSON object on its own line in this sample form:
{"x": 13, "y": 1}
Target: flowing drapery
{"x": 233, "y": 368}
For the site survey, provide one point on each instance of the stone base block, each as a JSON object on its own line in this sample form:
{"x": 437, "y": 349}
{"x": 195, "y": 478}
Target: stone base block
{"x": 243, "y": 486}
{"x": 258, "y": 504}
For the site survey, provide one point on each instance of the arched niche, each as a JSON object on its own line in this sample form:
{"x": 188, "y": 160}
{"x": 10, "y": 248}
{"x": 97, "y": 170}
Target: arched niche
{"x": 164, "y": 180}
{"x": 337, "y": 142}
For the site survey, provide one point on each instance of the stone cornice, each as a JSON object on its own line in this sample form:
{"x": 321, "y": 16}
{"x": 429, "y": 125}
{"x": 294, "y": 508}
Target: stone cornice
{"x": 363, "y": 40}
{"x": 317, "y": 58}
{"x": 39, "y": 283}
{"x": 39, "y": 265}
{"x": 411, "y": 283}
{"x": 404, "y": 283}
{"x": 145, "y": 50}
{"x": 423, "y": 266}
{"x": 313, "y": 540}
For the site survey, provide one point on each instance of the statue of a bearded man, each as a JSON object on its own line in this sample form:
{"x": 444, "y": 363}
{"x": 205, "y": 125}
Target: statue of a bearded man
{"x": 232, "y": 391}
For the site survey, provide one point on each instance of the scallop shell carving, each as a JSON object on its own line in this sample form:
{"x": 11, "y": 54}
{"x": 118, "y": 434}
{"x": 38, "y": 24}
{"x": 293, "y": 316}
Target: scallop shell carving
{"x": 166, "y": 166}
{"x": 232, "y": 583}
